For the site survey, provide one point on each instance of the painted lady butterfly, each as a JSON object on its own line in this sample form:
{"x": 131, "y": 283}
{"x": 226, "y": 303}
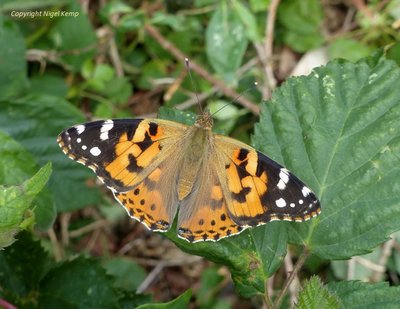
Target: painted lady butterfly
{"x": 221, "y": 185}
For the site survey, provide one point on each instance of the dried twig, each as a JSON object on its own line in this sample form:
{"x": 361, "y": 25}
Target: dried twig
{"x": 57, "y": 249}
{"x": 167, "y": 45}
{"x": 293, "y": 274}
{"x": 88, "y": 228}
{"x": 267, "y": 296}
{"x": 150, "y": 278}
{"x": 296, "y": 282}
{"x": 386, "y": 252}
{"x": 64, "y": 223}
{"x": 269, "y": 43}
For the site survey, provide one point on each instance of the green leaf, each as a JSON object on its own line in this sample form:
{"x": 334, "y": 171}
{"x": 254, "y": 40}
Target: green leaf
{"x": 178, "y": 303}
{"x": 127, "y": 274}
{"x": 186, "y": 117}
{"x": 226, "y": 42}
{"x": 22, "y": 266}
{"x": 301, "y": 20}
{"x": 354, "y": 294}
{"x": 35, "y": 121}
{"x": 81, "y": 283}
{"x": 115, "y": 7}
{"x": 207, "y": 294}
{"x": 131, "y": 22}
{"x": 315, "y": 295}
{"x": 175, "y": 21}
{"x": 248, "y": 19}
{"x": 16, "y": 165}
{"x": 15, "y": 202}
{"x": 259, "y": 5}
{"x": 74, "y": 33}
{"x": 349, "y": 49}
{"x": 338, "y": 130}
{"x": 13, "y": 78}
{"x": 49, "y": 84}
{"x": 394, "y": 53}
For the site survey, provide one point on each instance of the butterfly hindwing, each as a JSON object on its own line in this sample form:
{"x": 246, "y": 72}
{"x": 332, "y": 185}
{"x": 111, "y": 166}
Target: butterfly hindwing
{"x": 203, "y": 215}
{"x": 153, "y": 202}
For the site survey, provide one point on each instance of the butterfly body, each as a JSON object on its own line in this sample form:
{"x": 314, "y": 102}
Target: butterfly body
{"x": 217, "y": 186}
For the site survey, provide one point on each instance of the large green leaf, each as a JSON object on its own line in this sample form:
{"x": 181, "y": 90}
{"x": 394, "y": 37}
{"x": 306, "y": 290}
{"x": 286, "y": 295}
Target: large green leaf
{"x": 16, "y": 165}
{"x": 339, "y": 130}
{"x": 354, "y": 294}
{"x": 13, "y": 79}
{"x": 35, "y": 121}
{"x": 226, "y": 41}
{"x": 15, "y": 203}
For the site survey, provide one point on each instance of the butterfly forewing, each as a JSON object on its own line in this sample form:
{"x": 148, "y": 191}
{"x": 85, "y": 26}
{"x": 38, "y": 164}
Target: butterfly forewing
{"x": 122, "y": 152}
{"x": 260, "y": 190}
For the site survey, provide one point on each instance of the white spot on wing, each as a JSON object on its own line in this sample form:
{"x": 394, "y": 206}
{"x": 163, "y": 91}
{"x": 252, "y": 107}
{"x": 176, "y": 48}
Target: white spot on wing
{"x": 306, "y": 191}
{"x": 78, "y": 140}
{"x": 80, "y": 128}
{"x": 300, "y": 202}
{"x": 292, "y": 205}
{"x": 95, "y": 151}
{"x": 84, "y": 147}
{"x": 107, "y": 126}
{"x": 284, "y": 178}
{"x": 280, "y": 203}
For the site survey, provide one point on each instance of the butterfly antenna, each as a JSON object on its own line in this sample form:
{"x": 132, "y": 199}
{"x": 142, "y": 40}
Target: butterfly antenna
{"x": 187, "y": 63}
{"x": 235, "y": 99}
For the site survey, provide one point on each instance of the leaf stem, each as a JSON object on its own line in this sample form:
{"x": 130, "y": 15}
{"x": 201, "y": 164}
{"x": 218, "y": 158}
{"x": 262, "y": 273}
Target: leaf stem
{"x": 297, "y": 267}
{"x": 267, "y": 301}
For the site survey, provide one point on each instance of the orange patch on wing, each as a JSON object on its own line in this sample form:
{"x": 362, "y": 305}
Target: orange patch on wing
{"x": 146, "y": 206}
{"x": 208, "y": 224}
{"x": 247, "y": 190}
{"x": 118, "y": 168}
{"x": 144, "y": 130}
{"x": 216, "y": 192}
{"x": 233, "y": 179}
{"x": 148, "y": 155}
{"x": 252, "y": 162}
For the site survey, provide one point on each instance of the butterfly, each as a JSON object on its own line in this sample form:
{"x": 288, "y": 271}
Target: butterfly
{"x": 216, "y": 185}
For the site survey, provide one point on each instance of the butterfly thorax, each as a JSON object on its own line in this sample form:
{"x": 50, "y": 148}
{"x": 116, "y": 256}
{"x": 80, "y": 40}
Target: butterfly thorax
{"x": 196, "y": 151}
{"x": 204, "y": 121}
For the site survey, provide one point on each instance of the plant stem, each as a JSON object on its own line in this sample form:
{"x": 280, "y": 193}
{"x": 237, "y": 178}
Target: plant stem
{"x": 267, "y": 300}
{"x": 297, "y": 267}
